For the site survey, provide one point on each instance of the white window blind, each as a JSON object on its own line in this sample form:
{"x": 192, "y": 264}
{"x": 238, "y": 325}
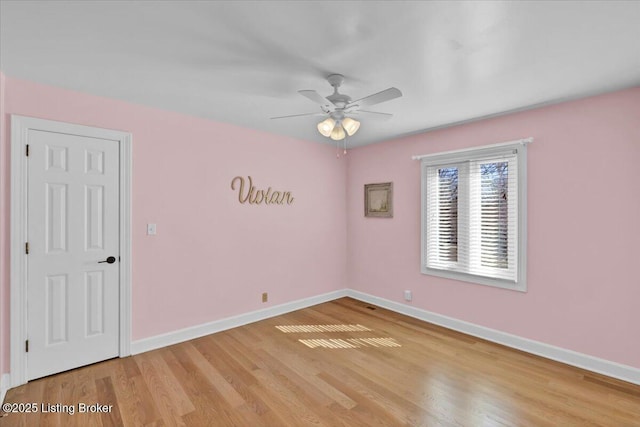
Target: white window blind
{"x": 473, "y": 227}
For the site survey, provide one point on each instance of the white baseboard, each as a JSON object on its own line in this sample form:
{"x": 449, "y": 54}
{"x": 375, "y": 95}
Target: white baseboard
{"x": 5, "y": 383}
{"x": 197, "y": 331}
{"x": 570, "y": 357}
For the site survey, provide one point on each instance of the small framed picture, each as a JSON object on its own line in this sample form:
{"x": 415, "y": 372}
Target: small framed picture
{"x": 378, "y": 200}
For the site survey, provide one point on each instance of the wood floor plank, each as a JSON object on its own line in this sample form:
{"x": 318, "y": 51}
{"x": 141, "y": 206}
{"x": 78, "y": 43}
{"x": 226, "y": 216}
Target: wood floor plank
{"x": 301, "y": 366}
{"x": 304, "y": 391}
{"x": 132, "y": 408}
{"x": 107, "y": 397}
{"x": 209, "y": 405}
{"x": 147, "y": 407}
{"x": 155, "y": 377}
{"x": 243, "y": 385}
{"x": 195, "y": 362}
{"x": 259, "y": 375}
{"x": 85, "y": 391}
{"x": 367, "y": 411}
{"x": 180, "y": 401}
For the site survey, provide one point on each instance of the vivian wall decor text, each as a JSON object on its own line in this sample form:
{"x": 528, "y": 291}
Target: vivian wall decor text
{"x": 378, "y": 200}
{"x": 249, "y": 193}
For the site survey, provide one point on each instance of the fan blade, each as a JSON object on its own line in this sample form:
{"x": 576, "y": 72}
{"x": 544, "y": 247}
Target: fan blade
{"x": 372, "y": 115}
{"x": 376, "y": 98}
{"x": 298, "y": 115}
{"x": 317, "y": 98}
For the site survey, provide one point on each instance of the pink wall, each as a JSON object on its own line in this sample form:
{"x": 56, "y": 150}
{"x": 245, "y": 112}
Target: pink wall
{"x": 212, "y": 257}
{"x": 583, "y": 218}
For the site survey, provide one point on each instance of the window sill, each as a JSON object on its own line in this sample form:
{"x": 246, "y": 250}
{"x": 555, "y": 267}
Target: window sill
{"x": 520, "y": 286}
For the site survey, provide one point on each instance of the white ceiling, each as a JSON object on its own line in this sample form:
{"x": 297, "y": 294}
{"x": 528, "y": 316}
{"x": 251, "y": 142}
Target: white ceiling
{"x": 243, "y": 62}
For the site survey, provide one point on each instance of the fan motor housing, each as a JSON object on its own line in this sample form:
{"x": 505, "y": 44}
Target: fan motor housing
{"x": 335, "y": 80}
{"x": 338, "y": 99}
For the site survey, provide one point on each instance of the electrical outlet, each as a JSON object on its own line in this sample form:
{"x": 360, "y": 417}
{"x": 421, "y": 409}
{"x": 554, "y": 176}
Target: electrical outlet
{"x": 408, "y": 296}
{"x": 265, "y": 297}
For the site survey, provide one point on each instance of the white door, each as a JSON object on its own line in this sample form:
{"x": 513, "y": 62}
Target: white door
{"x": 72, "y": 229}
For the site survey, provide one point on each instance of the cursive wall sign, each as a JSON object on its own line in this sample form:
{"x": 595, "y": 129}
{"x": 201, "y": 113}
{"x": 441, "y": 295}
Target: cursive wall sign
{"x": 255, "y": 197}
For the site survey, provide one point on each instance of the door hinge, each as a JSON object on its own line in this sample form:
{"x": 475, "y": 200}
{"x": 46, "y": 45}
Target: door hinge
{"x": 27, "y": 150}
{"x": 26, "y": 248}
{"x": 26, "y": 346}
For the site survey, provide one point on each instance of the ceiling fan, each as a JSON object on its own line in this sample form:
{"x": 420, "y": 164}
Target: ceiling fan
{"x": 339, "y": 109}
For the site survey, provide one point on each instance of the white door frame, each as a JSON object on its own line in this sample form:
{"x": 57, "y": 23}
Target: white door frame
{"x": 20, "y": 125}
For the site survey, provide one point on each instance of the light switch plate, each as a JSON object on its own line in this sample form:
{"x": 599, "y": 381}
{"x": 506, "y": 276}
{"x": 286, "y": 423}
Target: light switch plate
{"x": 151, "y": 229}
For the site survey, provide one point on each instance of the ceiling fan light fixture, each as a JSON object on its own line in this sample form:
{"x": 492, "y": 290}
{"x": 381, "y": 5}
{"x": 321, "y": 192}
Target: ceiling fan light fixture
{"x": 350, "y": 125}
{"x": 326, "y": 126}
{"x": 338, "y": 133}
{"x": 336, "y": 106}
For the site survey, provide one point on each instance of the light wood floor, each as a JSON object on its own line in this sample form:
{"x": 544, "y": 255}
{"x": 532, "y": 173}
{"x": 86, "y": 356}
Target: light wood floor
{"x": 257, "y": 375}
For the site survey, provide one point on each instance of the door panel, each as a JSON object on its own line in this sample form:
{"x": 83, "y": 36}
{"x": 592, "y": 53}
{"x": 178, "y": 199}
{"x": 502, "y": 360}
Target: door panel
{"x": 56, "y": 313}
{"x": 73, "y": 300}
{"x": 94, "y": 219}
{"x": 94, "y": 290}
{"x": 56, "y": 217}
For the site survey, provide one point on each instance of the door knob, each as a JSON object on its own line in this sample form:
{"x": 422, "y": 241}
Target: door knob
{"x": 109, "y": 260}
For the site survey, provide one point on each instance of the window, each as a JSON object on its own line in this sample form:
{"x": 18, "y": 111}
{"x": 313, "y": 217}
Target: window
{"x": 474, "y": 215}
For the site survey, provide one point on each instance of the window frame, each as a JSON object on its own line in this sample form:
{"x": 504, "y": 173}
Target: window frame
{"x": 450, "y": 158}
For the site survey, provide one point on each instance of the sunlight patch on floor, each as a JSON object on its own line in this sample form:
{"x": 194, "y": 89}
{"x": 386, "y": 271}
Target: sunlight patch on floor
{"x": 351, "y": 343}
{"x": 322, "y": 328}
